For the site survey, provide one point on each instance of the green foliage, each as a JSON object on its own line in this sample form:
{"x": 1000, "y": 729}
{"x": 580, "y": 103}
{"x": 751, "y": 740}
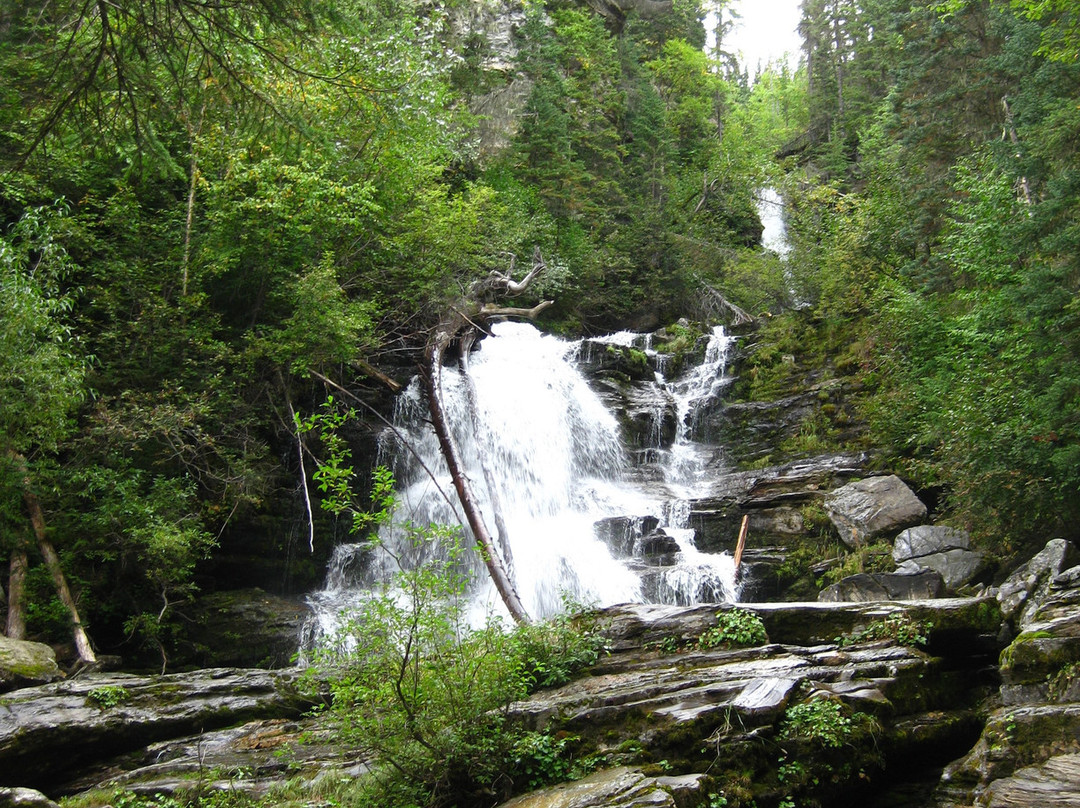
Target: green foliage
{"x": 422, "y": 694}
{"x": 899, "y": 628}
{"x": 108, "y": 696}
{"x": 823, "y": 722}
{"x": 875, "y": 557}
{"x": 735, "y": 628}
{"x": 41, "y": 369}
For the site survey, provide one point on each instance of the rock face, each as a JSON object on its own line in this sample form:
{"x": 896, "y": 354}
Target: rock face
{"x": 1029, "y": 750}
{"x": 619, "y": 786}
{"x": 874, "y": 507}
{"x": 728, "y": 711}
{"x": 884, "y": 586}
{"x": 48, "y": 730}
{"x": 23, "y": 664}
{"x": 246, "y": 628}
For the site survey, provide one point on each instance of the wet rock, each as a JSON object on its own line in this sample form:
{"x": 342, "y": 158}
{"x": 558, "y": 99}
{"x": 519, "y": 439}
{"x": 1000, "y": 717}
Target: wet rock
{"x": 885, "y": 586}
{"x": 623, "y": 787}
{"x": 49, "y": 729}
{"x": 244, "y": 628}
{"x": 657, "y": 549}
{"x": 621, "y": 532}
{"x": 23, "y": 664}
{"x": 956, "y": 567}
{"x": 646, "y": 412}
{"x": 871, "y": 508}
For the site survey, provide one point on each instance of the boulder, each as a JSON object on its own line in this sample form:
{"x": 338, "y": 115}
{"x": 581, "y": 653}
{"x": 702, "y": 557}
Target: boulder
{"x": 620, "y": 533}
{"x": 956, "y": 567}
{"x": 23, "y": 664}
{"x": 657, "y": 549}
{"x": 928, "y": 539}
{"x": 1024, "y": 592}
{"x": 884, "y": 586}
{"x": 24, "y": 798}
{"x": 872, "y": 508}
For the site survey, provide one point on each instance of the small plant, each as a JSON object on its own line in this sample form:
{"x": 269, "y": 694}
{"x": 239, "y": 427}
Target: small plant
{"x": 820, "y": 721}
{"x": 667, "y": 645}
{"x": 108, "y": 696}
{"x": 734, "y": 628}
{"x": 901, "y": 628}
{"x": 1061, "y": 681}
{"x": 544, "y": 759}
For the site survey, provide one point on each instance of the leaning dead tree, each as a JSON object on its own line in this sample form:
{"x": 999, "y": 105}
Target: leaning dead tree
{"x": 458, "y": 331}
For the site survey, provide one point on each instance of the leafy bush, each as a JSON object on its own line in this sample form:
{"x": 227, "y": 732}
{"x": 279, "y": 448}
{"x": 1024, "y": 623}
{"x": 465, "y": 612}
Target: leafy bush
{"x": 108, "y": 696}
{"x": 901, "y": 628}
{"x": 734, "y": 627}
{"x": 423, "y": 696}
{"x": 821, "y": 721}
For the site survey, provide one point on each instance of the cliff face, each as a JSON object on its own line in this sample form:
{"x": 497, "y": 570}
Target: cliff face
{"x": 488, "y": 34}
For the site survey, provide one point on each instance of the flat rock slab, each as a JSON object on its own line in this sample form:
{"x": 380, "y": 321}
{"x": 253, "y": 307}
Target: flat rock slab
{"x": 874, "y": 586}
{"x": 45, "y": 730}
{"x": 615, "y": 788}
{"x": 1054, "y": 784}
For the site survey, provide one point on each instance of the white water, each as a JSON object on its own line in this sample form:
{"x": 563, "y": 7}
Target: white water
{"x": 560, "y": 467}
{"x": 770, "y": 210}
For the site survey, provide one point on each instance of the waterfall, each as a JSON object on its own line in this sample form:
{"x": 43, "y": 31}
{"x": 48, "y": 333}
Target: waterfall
{"x": 580, "y": 523}
{"x": 770, "y": 210}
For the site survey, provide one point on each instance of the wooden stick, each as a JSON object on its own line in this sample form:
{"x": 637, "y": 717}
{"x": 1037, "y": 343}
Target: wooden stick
{"x": 741, "y": 544}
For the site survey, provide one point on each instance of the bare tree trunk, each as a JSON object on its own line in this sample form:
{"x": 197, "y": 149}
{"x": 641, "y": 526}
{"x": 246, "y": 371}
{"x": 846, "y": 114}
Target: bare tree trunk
{"x": 16, "y": 610}
{"x": 499, "y": 575}
{"x": 52, "y": 562}
{"x": 501, "y": 531}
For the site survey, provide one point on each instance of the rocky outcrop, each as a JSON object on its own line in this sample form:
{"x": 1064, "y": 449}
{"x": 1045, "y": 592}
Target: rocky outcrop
{"x": 23, "y": 664}
{"x": 48, "y": 730}
{"x": 727, "y": 711}
{"x": 884, "y": 586}
{"x": 245, "y": 628}
{"x": 1028, "y": 753}
{"x": 872, "y": 508}
{"x": 620, "y": 786}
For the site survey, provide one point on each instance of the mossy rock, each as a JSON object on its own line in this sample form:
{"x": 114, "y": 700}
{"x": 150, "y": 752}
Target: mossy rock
{"x": 1036, "y": 656}
{"x": 23, "y": 664}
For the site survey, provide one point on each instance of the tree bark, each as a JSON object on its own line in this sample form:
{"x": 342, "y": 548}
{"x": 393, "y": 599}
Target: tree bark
{"x": 462, "y": 325}
{"x": 16, "y": 597}
{"x": 52, "y": 562}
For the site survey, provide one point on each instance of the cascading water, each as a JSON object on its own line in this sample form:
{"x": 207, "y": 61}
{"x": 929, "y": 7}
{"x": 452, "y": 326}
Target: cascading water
{"x": 563, "y": 477}
{"x": 770, "y": 210}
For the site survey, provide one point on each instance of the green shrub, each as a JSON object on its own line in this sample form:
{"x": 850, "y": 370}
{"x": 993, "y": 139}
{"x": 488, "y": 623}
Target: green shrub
{"x": 108, "y": 696}
{"x": 821, "y": 721}
{"x": 734, "y": 628}
{"x": 901, "y": 628}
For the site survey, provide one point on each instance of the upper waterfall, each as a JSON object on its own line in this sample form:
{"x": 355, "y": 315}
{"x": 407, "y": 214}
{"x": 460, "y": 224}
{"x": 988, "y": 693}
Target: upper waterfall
{"x": 581, "y": 523}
